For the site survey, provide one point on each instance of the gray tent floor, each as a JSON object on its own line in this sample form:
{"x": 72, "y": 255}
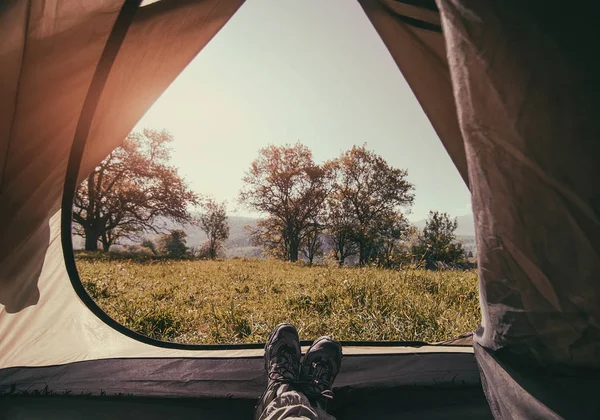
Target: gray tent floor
{"x": 402, "y": 402}
{"x": 430, "y": 385}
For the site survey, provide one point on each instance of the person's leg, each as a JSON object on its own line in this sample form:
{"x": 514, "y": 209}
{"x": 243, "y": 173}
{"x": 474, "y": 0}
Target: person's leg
{"x": 284, "y": 398}
{"x": 289, "y": 404}
{"x": 282, "y": 364}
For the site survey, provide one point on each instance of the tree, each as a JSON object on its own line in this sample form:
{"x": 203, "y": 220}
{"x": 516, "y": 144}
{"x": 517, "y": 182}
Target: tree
{"x": 368, "y": 193}
{"x": 173, "y": 244}
{"x": 286, "y": 184}
{"x": 213, "y": 222}
{"x": 134, "y": 189}
{"x": 437, "y": 243}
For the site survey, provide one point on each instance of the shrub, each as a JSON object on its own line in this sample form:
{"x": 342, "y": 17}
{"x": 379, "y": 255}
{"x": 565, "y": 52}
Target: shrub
{"x": 173, "y": 244}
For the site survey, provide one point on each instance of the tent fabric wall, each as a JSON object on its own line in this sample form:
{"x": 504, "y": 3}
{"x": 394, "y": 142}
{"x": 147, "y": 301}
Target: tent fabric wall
{"x": 56, "y": 56}
{"x": 526, "y": 88}
{"x": 13, "y": 18}
{"x": 46, "y": 61}
{"x": 420, "y": 54}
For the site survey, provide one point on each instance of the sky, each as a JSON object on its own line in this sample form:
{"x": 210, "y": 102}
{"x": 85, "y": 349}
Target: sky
{"x": 300, "y": 70}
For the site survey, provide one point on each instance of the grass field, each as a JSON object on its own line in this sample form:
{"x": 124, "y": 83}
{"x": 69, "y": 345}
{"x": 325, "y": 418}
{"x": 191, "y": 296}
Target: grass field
{"x": 239, "y": 301}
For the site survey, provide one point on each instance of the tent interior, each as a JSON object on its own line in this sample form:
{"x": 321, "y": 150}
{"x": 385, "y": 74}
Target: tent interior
{"x": 510, "y": 89}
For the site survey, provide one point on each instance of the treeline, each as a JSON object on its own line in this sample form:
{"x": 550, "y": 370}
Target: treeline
{"x": 353, "y": 205}
{"x": 351, "y": 208}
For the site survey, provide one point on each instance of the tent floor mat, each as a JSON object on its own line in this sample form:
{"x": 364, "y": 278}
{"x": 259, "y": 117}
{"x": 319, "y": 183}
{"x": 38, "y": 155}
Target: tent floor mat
{"x": 402, "y": 402}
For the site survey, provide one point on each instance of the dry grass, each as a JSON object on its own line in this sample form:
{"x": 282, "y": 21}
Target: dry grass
{"x": 239, "y": 301}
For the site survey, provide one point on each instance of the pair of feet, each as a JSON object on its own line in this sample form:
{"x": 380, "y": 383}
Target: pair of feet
{"x": 312, "y": 376}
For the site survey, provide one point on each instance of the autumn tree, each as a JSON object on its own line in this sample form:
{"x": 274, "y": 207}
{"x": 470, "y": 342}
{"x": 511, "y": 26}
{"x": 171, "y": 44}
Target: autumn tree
{"x": 134, "y": 189}
{"x": 437, "y": 242}
{"x": 213, "y": 222}
{"x": 285, "y": 184}
{"x": 369, "y": 193}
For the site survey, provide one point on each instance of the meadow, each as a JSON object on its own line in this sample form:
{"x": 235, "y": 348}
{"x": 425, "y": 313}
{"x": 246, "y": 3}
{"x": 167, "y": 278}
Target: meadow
{"x": 240, "y": 300}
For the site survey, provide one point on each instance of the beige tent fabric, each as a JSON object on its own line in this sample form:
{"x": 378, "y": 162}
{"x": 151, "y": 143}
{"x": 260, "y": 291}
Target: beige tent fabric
{"x": 421, "y": 56}
{"x": 56, "y": 58}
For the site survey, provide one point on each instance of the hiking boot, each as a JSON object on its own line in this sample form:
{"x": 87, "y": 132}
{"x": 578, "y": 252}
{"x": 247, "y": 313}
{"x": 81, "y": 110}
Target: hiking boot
{"x": 319, "y": 368}
{"x": 282, "y": 354}
{"x": 282, "y": 363}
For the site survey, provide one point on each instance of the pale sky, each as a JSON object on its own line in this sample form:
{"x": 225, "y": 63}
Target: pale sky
{"x": 308, "y": 70}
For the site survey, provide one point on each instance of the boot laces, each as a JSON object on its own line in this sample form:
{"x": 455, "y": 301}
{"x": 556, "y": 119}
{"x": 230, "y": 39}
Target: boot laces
{"x": 320, "y": 380}
{"x": 285, "y": 367}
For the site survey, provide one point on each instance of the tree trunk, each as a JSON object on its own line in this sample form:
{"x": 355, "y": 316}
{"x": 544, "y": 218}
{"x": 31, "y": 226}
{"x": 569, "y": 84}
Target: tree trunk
{"x": 212, "y": 249}
{"x": 91, "y": 237}
{"x": 294, "y": 250}
{"x": 362, "y": 254}
{"x": 91, "y": 240}
{"x": 106, "y": 242}
{"x": 293, "y": 240}
{"x": 341, "y": 247}
{"x": 311, "y": 246}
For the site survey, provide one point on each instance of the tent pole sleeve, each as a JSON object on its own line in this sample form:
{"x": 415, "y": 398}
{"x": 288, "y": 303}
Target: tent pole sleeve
{"x": 107, "y": 59}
